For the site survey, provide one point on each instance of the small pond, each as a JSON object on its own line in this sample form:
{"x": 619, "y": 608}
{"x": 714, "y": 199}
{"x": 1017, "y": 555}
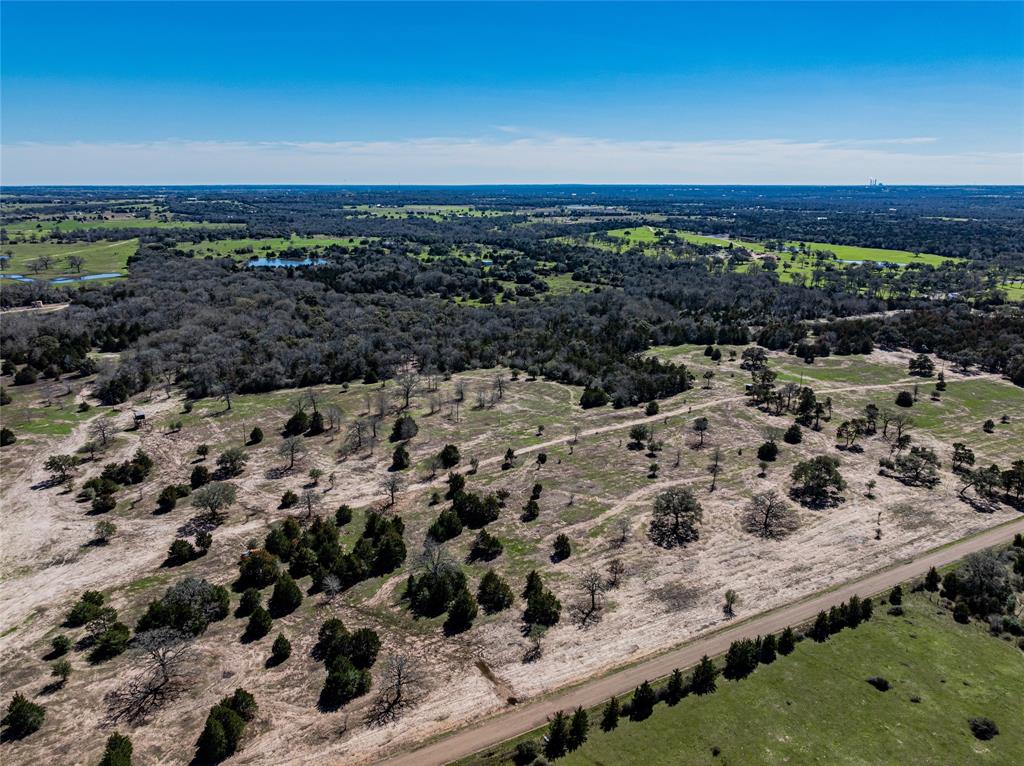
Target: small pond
{"x": 277, "y": 263}
{"x": 63, "y": 280}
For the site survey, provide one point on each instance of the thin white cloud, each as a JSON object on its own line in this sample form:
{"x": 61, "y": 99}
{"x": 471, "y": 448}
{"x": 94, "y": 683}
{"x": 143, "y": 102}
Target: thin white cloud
{"x": 544, "y": 159}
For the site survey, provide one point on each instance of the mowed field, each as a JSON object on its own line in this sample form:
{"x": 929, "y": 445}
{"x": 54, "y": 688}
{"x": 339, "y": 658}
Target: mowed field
{"x": 815, "y": 705}
{"x": 98, "y": 258}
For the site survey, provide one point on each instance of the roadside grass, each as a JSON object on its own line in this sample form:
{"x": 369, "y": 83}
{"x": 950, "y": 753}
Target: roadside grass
{"x": 815, "y": 706}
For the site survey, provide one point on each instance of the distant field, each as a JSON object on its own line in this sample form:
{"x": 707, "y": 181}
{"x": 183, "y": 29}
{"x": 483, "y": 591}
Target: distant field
{"x": 855, "y": 253}
{"x": 27, "y": 227}
{"x": 433, "y": 212}
{"x": 100, "y": 258}
{"x": 793, "y": 710}
{"x": 221, "y": 248}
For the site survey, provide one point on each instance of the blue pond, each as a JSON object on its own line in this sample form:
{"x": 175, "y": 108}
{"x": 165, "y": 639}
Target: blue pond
{"x": 277, "y": 263}
{"x": 62, "y": 280}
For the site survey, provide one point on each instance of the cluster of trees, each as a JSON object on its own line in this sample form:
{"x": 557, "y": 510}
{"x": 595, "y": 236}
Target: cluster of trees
{"x": 846, "y": 615}
{"x": 225, "y": 727}
{"x": 991, "y": 341}
{"x": 984, "y": 586}
{"x": 348, "y": 657}
{"x": 317, "y": 552}
{"x": 105, "y": 635}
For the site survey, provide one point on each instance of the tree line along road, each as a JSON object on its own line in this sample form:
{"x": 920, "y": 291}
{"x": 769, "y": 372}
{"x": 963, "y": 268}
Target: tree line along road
{"x": 521, "y": 719}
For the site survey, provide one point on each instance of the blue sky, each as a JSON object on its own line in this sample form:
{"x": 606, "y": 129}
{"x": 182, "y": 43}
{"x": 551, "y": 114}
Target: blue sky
{"x": 501, "y": 92}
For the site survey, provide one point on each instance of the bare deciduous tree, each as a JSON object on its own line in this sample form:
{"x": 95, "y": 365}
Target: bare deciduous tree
{"x": 616, "y": 571}
{"x": 623, "y": 530}
{"x": 168, "y": 659}
{"x": 588, "y": 611}
{"x": 408, "y": 384}
{"x": 769, "y": 516}
{"x": 331, "y": 587}
{"x": 292, "y": 448}
{"x": 311, "y": 501}
{"x": 391, "y": 485}
{"x": 402, "y": 686}
{"x": 102, "y": 429}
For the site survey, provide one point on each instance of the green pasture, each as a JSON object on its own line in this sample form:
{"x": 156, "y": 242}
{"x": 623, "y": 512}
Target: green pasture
{"x": 100, "y": 257}
{"x": 815, "y": 706}
{"x": 268, "y": 246}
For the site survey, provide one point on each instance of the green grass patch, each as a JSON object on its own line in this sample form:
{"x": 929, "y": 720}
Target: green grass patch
{"x": 98, "y": 258}
{"x": 816, "y": 706}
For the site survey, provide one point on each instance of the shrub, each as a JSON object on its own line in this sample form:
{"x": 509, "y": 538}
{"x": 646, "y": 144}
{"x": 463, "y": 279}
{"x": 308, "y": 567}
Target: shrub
{"x": 404, "y": 429}
{"x": 896, "y": 595}
{"x": 200, "y": 476}
{"x": 486, "y": 547}
{"x": 880, "y": 683}
{"x": 494, "y": 594}
{"x": 344, "y": 682}
{"x": 189, "y": 605}
{"x": 562, "y": 547}
{"x": 399, "y": 459}
{"x": 249, "y": 601}
{"x": 961, "y": 613}
{"x": 651, "y": 409}
{"x": 787, "y": 642}
{"x": 768, "y": 451}
{"x": 526, "y": 753}
{"x": 905, "y": 399}
{"x": 180, "y": 552}
{"x": 793, "y": 435}
{"x": 642, "y": 704}
{"x": 7, "y": 437}
{"x": 461, "y": 613}
{"x": 450, "y": 456}
{"x": 343, "y": 515}
{"x": 22, "y": 718}
{"x": 26, "y": 376}
{"x": 118, "y": 751}
{"x": 60, "y": 645}
{"x": 289, "y": 499}
{"x": 281, "y": 649}
{"x": 259, "y": 623}
{"x": 446, "y": 526}
{"x": 256, "y": 435}
{"x": 286, "y": 597}
{"x": 593, "y": 397}
{"x": 297, "y": 424}
{"x": 983, "y": 728}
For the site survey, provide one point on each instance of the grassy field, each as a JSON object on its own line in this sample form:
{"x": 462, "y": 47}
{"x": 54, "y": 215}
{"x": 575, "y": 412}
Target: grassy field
{"x": 42, "y": 227}
{"x": 855, "y": 253}
{"x": 222, "y": 248}
{"x": 433, "y": 212}
{"x": 815, "y": 706}
{"x": 100, "y": 258}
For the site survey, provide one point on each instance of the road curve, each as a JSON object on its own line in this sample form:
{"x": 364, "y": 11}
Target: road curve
{"x": 505, "y": 725}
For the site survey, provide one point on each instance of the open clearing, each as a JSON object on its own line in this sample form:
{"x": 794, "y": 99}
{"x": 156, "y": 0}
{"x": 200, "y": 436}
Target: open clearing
{"x": 589, "y": 486}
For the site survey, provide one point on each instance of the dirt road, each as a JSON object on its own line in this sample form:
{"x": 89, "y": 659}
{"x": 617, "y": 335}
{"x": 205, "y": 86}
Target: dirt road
{"x": 488, "y": 732}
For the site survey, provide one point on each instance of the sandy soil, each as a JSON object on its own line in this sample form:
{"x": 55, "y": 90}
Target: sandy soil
{"x": 666, "y": 598}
